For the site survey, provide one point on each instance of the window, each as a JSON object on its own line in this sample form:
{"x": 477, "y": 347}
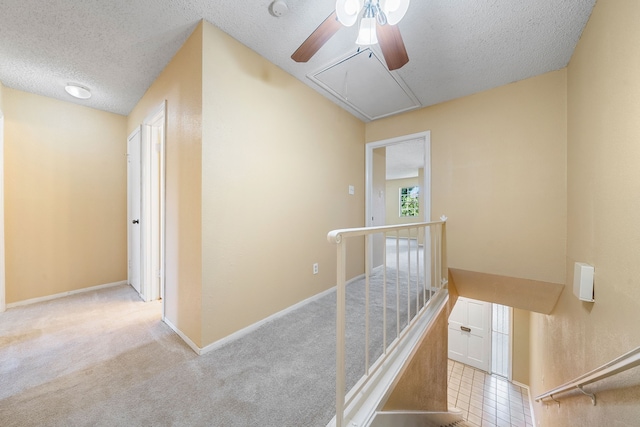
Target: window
{"x": 409, "y": 197}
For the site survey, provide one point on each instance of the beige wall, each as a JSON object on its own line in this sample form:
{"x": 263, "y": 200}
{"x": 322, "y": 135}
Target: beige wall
{"x": 422, "y": 382}
{"x": 603, "y": 227}
{"x": 65, "y": 196}
{"x": 180, "y": 84}
{"x": 520, "y": 342}
{"x": 393, "y": 187}
{"x": 498, "y": 172}
{"x": 277, "y": 160}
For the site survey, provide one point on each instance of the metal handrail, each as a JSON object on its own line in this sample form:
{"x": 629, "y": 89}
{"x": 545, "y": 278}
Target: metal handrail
{"x": 339, "y": 237}
{"x": 620, "y": 364}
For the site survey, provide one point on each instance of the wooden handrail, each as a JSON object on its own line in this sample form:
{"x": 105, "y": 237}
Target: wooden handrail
{"x": 620, "y": 364}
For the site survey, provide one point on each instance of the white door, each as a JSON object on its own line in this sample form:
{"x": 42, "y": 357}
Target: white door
{"x": 134, "y": 213}
{"x": 470, "y": 333}
{"x": 153, "y": 204}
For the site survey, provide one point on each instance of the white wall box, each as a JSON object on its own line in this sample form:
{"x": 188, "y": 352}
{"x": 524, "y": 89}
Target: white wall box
{"x": 583, "y": 281}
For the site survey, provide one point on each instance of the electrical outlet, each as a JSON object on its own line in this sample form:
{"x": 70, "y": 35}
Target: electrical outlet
{"x": 315, "y": 268}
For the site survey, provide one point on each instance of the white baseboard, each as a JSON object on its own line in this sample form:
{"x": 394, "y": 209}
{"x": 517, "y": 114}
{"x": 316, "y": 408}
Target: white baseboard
{"x": 242, "y": 332}
{"x": 182, "y": 335}
{"x": 65, "y": 294}
{"x": 245, "y": 331}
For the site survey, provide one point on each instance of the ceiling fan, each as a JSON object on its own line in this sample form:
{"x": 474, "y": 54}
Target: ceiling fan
{"x": 377, "y": 25}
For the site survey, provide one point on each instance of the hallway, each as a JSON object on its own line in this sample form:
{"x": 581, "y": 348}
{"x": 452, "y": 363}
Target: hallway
{"x": 487, "y": 400}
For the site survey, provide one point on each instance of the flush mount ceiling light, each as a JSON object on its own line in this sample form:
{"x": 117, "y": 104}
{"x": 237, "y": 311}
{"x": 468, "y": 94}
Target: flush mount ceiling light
{"x": 378, "y": 19}
{"x": 77, "y": 91}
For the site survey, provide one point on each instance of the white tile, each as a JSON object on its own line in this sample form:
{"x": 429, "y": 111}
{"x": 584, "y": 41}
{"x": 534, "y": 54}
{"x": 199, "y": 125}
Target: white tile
{"x": 464, "y": 398}
{"x": 489, "y": 417}
{"x": 477, "y": 402}
{"x": 518, "y": 415}
{"x": 475, "y": 410}
{"x": 474, "y": 419}
{"x": 503, "y": 415}
{"x": 491, "y": 410}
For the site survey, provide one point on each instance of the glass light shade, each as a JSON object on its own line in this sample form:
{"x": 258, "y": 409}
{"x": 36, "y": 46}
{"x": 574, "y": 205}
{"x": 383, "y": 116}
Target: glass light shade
{"x": 78, "y": 91}
{"x": 392, "y": 5}
{"x": 394, "y": 9}
{"x": 348, "y": 10}
{"x": 367, "y": 34}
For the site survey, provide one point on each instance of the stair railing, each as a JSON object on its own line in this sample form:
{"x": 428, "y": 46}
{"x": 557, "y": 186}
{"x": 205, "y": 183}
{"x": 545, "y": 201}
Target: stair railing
{"x": 616, "y": 366}
{"x": 424, "y": 274}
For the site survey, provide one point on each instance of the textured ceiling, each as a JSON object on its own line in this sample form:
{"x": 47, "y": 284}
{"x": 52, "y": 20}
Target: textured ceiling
{"x": 117, "y": 48}
{"x": 404, "y": 160}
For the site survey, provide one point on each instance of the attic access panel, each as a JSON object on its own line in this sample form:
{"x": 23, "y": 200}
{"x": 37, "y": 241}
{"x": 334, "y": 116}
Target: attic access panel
{"x": 363, "y": 82}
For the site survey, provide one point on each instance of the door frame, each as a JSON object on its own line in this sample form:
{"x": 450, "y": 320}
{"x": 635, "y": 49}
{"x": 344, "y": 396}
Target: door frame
{"x": 153, "y": 205}
{"x": 130, "y": 217}
{"x": 509, "y": 341}
{"x": 425, "y": 185}
{"x": 3, "y": 301}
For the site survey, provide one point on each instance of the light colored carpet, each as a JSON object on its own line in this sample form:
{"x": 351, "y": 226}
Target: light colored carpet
{"x": 104, "y": 358}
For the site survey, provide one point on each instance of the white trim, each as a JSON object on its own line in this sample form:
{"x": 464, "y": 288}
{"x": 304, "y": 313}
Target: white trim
{"x": 425, "y": 186}
{"x": 3, "y": 300}
{"x": 153, "y": 204}
{"x": 344, "y": 101}
{"x": 65, "y": 294}
{"x": 182, "y": 335}
{"x": 247, "y": 330}
{"x": 511, "y": 345}
{"x": 130, "y": 218}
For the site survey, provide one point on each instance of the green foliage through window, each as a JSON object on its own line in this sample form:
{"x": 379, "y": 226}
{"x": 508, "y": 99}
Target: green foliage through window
{"x": 409, "y": 201}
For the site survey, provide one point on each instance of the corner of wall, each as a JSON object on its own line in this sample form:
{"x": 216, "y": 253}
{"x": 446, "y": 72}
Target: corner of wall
{"x": 603, "y": 89}
{"x": 268, "y": 140}
{"x": 180, "y": 85}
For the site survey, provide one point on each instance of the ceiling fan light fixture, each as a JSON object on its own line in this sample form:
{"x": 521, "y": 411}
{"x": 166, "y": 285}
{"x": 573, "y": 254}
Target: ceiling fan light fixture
{"x": 367, "y": 33}
{"x": 348, "y": 11}
{"x": 395, "y": 10}
{"x": 77, "y": 91}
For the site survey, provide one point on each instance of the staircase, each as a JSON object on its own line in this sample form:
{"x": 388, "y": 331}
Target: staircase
{"x": 408, "y": 302}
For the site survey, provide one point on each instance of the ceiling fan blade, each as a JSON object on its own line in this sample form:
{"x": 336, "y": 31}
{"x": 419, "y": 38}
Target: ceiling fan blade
{"x": 317, "y": 39}
{"x": 392, "y": 46}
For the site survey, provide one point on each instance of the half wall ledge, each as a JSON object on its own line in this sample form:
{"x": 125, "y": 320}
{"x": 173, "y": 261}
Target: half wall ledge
{"x": 526, "y": 294}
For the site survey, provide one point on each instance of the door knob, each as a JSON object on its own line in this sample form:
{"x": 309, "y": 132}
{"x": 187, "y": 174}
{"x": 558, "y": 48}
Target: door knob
{"x": 136, "y": 221}
{"x": 465, "y": 329}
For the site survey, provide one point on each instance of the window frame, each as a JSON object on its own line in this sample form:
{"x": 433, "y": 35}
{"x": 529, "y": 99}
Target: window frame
{"x": 403, "y": 197}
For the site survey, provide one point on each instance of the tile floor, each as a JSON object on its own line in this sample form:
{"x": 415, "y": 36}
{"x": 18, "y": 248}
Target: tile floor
{"x": 487, "y": 400}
